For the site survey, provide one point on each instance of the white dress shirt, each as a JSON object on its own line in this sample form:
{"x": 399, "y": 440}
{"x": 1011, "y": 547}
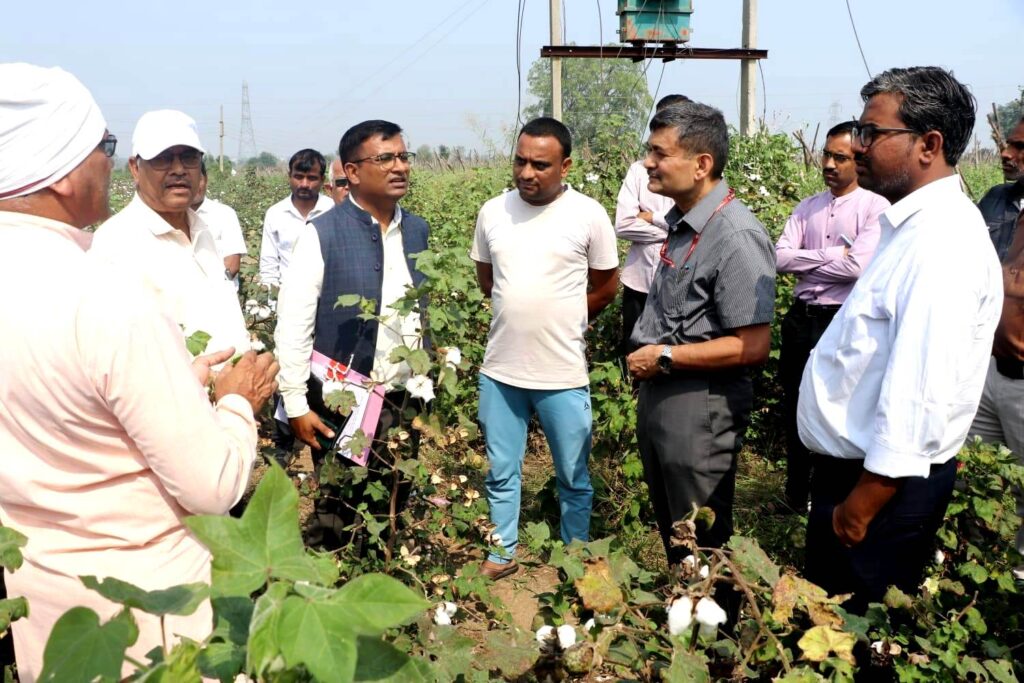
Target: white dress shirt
{"x": 222, "y": 222}
{"x": 296, "y": 315}
{"x": 188, "y": 275}
{"x": 646, "y": 238}
{"x": 896, "y": 378}
{"x": 282, "y": 225}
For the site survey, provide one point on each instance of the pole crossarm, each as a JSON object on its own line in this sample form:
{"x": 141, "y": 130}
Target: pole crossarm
{"x": 638, "y": 52}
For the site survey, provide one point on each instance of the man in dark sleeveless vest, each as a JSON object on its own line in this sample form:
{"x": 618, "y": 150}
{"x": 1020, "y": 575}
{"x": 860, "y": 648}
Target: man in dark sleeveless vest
{"x": 364, "y": 246}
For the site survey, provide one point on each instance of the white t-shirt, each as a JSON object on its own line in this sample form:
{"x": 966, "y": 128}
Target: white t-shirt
{"x": 540, "y": 256}
{"x": 222, "y": 222}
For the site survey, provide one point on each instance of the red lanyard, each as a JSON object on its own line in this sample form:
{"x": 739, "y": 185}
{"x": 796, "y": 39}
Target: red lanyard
{"x": 696, "y": 238}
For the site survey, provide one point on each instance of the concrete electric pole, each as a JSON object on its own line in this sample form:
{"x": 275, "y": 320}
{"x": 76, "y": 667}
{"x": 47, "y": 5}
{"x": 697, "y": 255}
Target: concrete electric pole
{"x": 556, "y": 62}
{"x": 748, "y": 80}
{"x": 220, "y": 157}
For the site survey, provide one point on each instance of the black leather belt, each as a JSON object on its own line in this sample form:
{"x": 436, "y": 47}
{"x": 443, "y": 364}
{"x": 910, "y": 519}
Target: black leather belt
{"x": 1011, "y": 368}
{"x": 814, "y": 310}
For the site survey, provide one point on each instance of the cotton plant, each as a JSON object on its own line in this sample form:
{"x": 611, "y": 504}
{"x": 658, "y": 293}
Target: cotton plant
{"x": 444, "y": 613}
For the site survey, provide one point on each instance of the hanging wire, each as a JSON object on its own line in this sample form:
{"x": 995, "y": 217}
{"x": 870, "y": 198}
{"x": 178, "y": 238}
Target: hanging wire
{"x": 857, "y": 38}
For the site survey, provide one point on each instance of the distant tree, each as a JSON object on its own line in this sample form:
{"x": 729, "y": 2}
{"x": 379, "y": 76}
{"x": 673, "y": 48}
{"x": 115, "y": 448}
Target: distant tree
{"x": 1010, "y": 113}
{"x": 443, "y": 152}
{"x": 595, "y": 93}
{"x": 424, "y": 153}
{"x": 264, "y": 160}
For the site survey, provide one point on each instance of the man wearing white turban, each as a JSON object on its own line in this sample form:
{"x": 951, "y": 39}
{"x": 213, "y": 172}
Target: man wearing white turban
{"x": 165, "y": 241}
{"x": 98, "y": 395}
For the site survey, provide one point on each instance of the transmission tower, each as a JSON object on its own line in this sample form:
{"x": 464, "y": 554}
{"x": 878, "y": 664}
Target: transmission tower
{"x": 246, "y": 137}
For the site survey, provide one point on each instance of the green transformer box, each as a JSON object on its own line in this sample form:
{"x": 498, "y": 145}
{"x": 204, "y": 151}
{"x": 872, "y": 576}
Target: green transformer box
{"x": 654, "y": 21}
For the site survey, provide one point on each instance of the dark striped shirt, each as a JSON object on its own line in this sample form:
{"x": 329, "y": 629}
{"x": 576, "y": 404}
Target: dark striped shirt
{"x": 727, "y": 282}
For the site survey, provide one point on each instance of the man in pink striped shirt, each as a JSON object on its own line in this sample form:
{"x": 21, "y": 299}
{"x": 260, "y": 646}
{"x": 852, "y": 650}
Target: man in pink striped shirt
{"x": 827, "y": 243}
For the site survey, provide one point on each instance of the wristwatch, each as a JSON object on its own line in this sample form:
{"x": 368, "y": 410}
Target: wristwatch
{"x": 665, "y": 359}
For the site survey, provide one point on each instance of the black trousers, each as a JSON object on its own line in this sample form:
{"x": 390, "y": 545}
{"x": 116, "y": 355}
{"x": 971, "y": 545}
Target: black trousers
{"x": 899, "y": 542}
{"x": 331, "y": 515}
{"x": 801, "y": 329}
{"x": 633, "y": 303}
{"x": 690, "y": 429}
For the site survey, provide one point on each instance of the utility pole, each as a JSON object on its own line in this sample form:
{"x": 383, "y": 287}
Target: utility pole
{"x": 220, "y": 157}
{"x": 556, "y": 62}
{"x": 748, "y": 82}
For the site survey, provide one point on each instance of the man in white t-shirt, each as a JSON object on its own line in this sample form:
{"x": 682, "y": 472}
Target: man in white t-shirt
{"x": 536, "y": 250}
{"x": 222, "y": 222}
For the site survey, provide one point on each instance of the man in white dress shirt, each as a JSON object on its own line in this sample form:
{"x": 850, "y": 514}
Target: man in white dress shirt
{"x": 223, "y": 224}
{"x": 640, "y": 220}
{"x": 890, "y": 390}
{"x": 159, "y": 235}
{"x": 284, "y": 221}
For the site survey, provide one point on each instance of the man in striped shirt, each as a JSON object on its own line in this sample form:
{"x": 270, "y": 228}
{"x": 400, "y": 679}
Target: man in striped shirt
{"x": 707, "y": 319}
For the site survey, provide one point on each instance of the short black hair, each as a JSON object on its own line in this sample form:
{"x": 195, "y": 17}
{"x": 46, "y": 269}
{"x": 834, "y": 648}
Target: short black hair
{"x": 930, "y": 99}
{"x": 844, "y": 128}
{"x": 355, "y": 136}
{"x": 669, "y": 100}
{"x": 305, "y": 159}
{"x": 546, "y": 126}
{"x": 700, "y": 129}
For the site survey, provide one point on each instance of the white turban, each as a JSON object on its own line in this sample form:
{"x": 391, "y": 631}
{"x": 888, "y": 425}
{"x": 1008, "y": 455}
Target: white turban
{"x": 49, "y": 124}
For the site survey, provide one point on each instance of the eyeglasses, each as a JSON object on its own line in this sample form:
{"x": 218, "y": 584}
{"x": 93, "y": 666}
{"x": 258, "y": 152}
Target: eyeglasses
{"x": 341, "y": 182}
{"x": 190, "y": 158}
{"x": 387, "y": 159}
{"x": 108, "y": 144}
{"x": 1016, "y": 144}
{"x": 865, "y": 134}
{"x": 838, "y": 158}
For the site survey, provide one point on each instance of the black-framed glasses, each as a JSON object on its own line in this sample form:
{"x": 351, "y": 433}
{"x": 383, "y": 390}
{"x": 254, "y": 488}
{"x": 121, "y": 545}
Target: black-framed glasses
{"x": 838, "y": 158}
{"x": 387, "y": 159}
{"x": 341, "y": 182}
{"x": 190, "y": 158}
{"x": 108, "y": 144}
{"x": 865, "y": 134}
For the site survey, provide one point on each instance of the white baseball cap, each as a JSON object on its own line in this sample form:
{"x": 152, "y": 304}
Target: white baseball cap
{"x": 163, "y": 129}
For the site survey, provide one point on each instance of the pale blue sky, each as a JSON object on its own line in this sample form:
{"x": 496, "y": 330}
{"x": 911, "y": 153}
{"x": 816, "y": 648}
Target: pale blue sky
{"x": 433, "y": 67}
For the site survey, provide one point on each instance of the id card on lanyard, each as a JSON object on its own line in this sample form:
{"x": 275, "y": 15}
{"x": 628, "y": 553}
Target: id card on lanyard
{"x": 667, "y": 260}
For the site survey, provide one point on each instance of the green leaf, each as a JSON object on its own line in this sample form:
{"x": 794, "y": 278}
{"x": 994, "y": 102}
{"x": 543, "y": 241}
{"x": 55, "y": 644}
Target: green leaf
{"x": 231, "y": 618}
{"x": 317, "y": 636}
{"x": 265, "y": 543}
{"x": 801, "y": 675}
{"x": 346, "y": 300}
{"x": 419, "y": 362}
{"x": 11, "y": 543}
{"x": 181, "y": 600}
{"x": 597, "y": 589}
{"x": 513, "y": 652}
{"x": 1002, "y": 671}
{"x": 686, "y": 666}
{"x": 81, "y": 649}
{"x": 382, "y": 662}
{"x": 264, "y": 645}
{"x": 341, "y": 402}
{"x": 182, "y": 663}
{"x": 752, "y": 561}
{"x": 820, "y": 641}
{"x": 973, "y": 571}
{"x": 374, "y": 603}
{"x": 12, "y": 609}
{"x": 196, "y": 342}
{"x": 223, "y": 661}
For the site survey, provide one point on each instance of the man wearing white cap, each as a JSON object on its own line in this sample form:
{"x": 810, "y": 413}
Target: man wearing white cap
{"x": 98, "y": 396}
{"x": 159, "y": 235}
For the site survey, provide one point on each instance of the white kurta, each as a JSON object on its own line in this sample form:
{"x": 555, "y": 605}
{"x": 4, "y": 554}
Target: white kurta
{"x": 107, "y": 441}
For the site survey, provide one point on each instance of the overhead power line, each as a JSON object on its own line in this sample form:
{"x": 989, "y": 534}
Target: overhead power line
{"x": 857, "y": 38}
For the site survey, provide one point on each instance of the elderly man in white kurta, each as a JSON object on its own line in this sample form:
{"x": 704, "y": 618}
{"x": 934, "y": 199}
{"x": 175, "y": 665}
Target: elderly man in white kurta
{"x": 107, "y": 439}
{"x": 165, "y": 241}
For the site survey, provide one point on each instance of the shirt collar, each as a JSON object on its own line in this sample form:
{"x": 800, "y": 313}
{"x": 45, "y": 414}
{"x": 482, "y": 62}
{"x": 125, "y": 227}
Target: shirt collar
{"x": 931, "y": 194}
{"x": 396, "y": 220}
{"x": 156, "y": 224}
{"x": 701, "y": 212}
{"x": 846, "y": 197}
{"x": 317, "y": 209}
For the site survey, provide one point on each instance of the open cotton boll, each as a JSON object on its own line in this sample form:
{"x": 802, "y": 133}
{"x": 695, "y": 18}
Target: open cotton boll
{"x": 680, "y": 615}
{"x": 701, "y": 569}
{"x": 710, "y": 616}
{"x": 566, "y": 636}
{"x": 589, "y": 625}
{"x": 441, "y": 616}
{"x": 544, "y": 633}
{"x": 450, "y": 608}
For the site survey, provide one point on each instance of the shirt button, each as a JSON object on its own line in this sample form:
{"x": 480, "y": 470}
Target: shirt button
{"x": 377, "y": 267}
{"x": 374, "y": 238}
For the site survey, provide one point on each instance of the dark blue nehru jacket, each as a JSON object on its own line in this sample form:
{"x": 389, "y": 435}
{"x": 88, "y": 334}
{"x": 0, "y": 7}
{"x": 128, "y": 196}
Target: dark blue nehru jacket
{"x": 353, "y": 253}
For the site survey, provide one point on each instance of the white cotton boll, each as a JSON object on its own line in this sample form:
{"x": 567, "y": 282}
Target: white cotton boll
{"x": 763, "y": 191}
{"x": 710, "y": 616}
{"x": 420, "y": 386}
{"x": 453, "y": 356}
{"x": 257, "y": 346}
{"x": 566, "y": 636}
{"x": 251, "y": 305}
{"x": 263, "y": 312}
{"x": 450, "y": 608}
{"x": 592, "y": 178}
{"x": 544, "y": 633}
{"x": 702, "y": 570}
{"x": 877, "y": 646}
{"x": 589, "y": 625}
{"x": 940, "y": 557}
{"x": 680, "y": 615}
{"x": 441, "y": 617}
{"x": 494, "y": 538}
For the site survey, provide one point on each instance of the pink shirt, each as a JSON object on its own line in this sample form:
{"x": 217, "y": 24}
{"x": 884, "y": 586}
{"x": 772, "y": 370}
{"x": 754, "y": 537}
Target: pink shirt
{"x": 634, "y": 197}
{"x": 107, "y": 441}
{"x": 812, "y": 245}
